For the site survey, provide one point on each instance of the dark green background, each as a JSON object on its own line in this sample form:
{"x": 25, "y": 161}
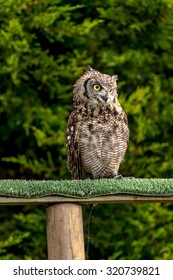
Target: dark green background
{"x": 45, "y": 46}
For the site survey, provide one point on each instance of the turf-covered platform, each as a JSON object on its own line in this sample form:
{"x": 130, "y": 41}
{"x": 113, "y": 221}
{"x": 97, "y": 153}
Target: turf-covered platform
{"x": 15, "y": 192}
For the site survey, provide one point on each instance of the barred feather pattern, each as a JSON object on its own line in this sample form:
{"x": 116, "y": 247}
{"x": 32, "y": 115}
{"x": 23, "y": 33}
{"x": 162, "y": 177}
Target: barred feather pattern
{"x": 97, "y": 132}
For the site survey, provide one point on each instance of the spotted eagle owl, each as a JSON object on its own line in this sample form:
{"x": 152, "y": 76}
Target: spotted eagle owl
{"x": 97, "y": 130}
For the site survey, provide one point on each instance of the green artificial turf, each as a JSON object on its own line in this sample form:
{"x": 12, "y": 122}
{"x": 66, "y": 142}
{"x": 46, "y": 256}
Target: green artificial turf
{"x": 86, "y": 188}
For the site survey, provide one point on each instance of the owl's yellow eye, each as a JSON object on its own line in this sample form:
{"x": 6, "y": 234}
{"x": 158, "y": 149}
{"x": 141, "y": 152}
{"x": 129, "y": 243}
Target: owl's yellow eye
{"x": 96, "y": 87}
{"x": 111, "y": 91}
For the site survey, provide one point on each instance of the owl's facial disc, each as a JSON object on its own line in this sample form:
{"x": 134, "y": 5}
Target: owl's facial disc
{"x": 99, "y": 94}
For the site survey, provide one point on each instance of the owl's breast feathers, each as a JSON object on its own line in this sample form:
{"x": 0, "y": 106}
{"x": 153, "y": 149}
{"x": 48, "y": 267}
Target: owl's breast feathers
{"x": 97, "y": 139}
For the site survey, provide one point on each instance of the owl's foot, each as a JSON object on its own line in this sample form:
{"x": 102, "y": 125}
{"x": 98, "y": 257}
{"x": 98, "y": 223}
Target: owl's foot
{"x": 119, "y": 176}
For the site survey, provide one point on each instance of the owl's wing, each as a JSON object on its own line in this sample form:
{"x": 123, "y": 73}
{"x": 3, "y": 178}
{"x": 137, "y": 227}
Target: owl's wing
{"x": 73, "y": 155}
{"x": 126, "y": 128}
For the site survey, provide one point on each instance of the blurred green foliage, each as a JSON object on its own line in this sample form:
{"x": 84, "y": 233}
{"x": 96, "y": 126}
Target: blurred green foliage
{"x": 45, "y": 46}
{"x": 130, "y": 231}
{"x": 23, "y": 233}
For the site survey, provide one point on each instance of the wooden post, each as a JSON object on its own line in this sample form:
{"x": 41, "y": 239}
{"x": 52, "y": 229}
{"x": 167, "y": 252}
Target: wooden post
{"x": 65, "y": 238}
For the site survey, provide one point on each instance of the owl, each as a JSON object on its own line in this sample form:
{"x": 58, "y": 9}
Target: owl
{"x": 97, "y": 132}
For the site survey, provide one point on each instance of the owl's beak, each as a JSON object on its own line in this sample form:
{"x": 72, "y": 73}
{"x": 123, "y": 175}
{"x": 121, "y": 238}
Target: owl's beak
{"x": 105, "y": 97}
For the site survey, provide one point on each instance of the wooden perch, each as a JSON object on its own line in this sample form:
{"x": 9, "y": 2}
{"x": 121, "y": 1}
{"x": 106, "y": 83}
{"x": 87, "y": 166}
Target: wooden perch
{"x": 65, "y": 236}
{"x": 116, "y": 198}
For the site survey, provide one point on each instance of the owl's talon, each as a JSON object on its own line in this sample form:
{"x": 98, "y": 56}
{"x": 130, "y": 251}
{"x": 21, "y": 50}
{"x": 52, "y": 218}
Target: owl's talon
{"x": 119, "y": 176}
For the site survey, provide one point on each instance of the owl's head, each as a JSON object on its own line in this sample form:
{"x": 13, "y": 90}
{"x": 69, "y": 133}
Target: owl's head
{"x": 96, "y": 88}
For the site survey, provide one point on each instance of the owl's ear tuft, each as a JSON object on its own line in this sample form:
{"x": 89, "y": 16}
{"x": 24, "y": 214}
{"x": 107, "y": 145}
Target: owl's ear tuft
{"x": 89, "y": 68}
{"x": 115, "y": 77}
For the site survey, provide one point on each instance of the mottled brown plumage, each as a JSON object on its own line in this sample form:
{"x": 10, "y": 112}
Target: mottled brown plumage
{"x": 97, "y": 130}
